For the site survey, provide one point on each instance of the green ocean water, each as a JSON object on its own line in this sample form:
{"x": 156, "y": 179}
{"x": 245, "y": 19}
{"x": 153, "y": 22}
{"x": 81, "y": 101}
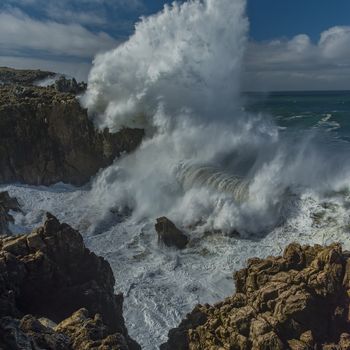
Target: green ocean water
{"x": 328, "y": 111}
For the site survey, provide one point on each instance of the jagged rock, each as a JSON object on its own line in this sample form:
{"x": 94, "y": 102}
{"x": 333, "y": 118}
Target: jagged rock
{"x": 7, "y": 203}
{"x": 46, "y": 137}
{"x": 23, "y": 76}
{"x": 170, "y": 234}
{"x": 297, "y": 301}
{"x": 62, "y": 84}
{"x": 88, "y": 333}
{"x": 50, "y": 274}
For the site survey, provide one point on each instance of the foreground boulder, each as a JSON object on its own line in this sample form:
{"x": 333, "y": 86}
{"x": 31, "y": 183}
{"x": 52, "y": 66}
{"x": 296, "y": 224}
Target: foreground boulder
{"x": 46, "y": 137}
{"x": 169, "y": 234}
{"x": 7, "y": 204}
{"x": 56, "y": 294}
{"x": 298, "y": 301}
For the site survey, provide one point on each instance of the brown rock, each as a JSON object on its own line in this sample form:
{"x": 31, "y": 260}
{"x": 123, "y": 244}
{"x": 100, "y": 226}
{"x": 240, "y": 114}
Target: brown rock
{"x": 87, "y": 333}
{"x": 50, "y": 274}
{"x": 308, "y": 339}
{"x": 297, "y": 301}
{"x": 47, "y": 137}
{"x": 43, "y": 337}
{"x": 344, "y": 341}
{"x": 169, "y": 234}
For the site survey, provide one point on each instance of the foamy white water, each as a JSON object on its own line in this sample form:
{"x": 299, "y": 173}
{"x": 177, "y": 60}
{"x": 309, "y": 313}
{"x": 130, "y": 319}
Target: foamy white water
{"x": 178, "y": 77}
{"x": 206, "y": 164}
{"x": 161, "y": 285}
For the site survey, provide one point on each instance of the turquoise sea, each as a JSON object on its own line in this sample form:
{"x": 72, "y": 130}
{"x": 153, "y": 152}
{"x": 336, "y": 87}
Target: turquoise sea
{"x": 327, "y": 111}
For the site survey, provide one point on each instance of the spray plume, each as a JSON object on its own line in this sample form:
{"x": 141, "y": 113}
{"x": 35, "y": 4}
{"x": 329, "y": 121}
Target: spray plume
{"x": 204, "y": 159}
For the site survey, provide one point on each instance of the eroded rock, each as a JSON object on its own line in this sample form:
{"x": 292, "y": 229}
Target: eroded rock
{"x": 49, "y": 274}
{"x": 297, "y": 301}
{"x": 46, "y": 137}
{"x": 62, "y": 84}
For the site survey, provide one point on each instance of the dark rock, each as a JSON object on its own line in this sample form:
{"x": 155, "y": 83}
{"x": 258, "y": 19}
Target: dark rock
{"x": 170, "y": 234}
{"x": 46, "y": 137}
{"x": 23, "y": 76}
{"x": 178, "y": 336}
{"x": 7, "y": 203}
{"x": 62, "y": 84}
{"x": 298, "y": 301}
{"x": 49, "y": 273}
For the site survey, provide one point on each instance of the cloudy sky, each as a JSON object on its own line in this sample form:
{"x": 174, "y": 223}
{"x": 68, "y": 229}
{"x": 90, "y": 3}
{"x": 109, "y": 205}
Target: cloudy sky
{"x": 294, "y": 44}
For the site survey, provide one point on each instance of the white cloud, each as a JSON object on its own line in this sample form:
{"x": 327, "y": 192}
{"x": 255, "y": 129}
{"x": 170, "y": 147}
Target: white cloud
{"x": 114, "y": 3}
{"x": 87, "y": 12}
{"x": 282, "y": 64}
{"x": 335, "y": 43}
{"x": 18, "y": 32}
{"x": 300, "y": 64}
{"x": 60, "y": 13}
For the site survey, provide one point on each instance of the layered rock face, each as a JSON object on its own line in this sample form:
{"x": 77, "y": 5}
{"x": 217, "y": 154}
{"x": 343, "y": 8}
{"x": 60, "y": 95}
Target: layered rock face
{"x": 298, "y": 301}
{"x": 56, "y": 294}
{"x": 46, "y": 137}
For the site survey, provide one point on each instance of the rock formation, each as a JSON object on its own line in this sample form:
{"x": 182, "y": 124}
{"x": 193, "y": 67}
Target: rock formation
{"x": 46, "y": 137}
{"x": 169, "y": 234}
{"x": 71, "y": 86}
{"x": 56, "y": 294}
{"x": 298, "y": 301}
{"x": 7, "y": 203}
{"x": 24, "y": 77}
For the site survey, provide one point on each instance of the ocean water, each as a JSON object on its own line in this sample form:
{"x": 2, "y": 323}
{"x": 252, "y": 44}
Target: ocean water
{"x": 273, "y": 167}
{"x": 160, "y": 284}
{"x": 325, "y": 110}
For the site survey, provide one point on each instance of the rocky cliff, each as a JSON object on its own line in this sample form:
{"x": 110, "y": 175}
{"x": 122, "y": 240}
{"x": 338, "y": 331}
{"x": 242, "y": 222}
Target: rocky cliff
{"x": 23, "y": 76}
{"x": 298, "y": 301}
{"x": 56, "y": 294}
{"x": 46, "y": 137}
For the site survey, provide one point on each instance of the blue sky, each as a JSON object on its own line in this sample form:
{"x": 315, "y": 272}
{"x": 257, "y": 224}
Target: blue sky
{"x": 286, "y": 18}
{"x": 294, "y": 44}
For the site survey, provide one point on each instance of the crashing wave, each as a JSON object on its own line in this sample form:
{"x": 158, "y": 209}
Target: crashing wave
{"x": 190, "y": 175}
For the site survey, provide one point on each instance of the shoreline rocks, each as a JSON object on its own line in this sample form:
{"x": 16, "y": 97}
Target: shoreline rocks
{"x": 297, "y": 301}
{"x": 47, "y": 137}
{"x": 71, "y": 86}
{"x": 49, "y": 274}
{"x": 24, "y": 77}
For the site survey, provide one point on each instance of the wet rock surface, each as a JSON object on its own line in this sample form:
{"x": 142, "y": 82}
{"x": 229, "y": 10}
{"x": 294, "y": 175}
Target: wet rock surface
{"x": 169, "y": 234}
{"x": 56, "y": 294}
{"x": 297, "y": 301}
{"x": 46, "y": 137}
{"x": 7, "y": 204}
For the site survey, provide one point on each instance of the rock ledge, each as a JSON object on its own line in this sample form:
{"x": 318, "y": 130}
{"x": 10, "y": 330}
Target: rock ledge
{"x": 56, "y": 294}
{"x": 298, "y": 301}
